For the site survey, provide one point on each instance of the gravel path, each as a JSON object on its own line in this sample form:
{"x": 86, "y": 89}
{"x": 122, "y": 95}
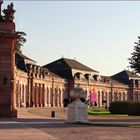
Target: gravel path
{"x": 58, "y": 128}
{"x": 89, "y": 133}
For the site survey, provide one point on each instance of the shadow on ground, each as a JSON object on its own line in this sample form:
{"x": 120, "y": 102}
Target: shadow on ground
{"x": 60, "y": 123}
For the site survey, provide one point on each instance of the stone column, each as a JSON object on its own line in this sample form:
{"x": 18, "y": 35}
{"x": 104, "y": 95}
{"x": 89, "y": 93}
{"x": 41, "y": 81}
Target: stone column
{"x": 107, "y": 98}
{"x": 100, "y": 98}
{"x": 121, "y": 96}
{"x": 58, "y": 97}
{"x": 49, "y": 96}
{"x": 16, "y": 94}
{"x": 36, "y": 95}
{"x": 39, "y": 93}
{"x": 25, "y": 92}
{"x": 112, "y": 95}
{"x": 45, "y": 96}
{"x": 33, "y": 95}
{"x": 19, "y": 93}
{"x": 61, "y": 97}
{"x": 53, "y": 98}
{"x": 42, "y": 95}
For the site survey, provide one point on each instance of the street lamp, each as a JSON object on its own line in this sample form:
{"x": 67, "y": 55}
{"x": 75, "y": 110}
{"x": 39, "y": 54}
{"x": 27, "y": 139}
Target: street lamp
{"x": 5, "y": 80}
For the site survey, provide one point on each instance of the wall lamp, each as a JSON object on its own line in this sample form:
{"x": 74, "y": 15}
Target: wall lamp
{"x": 5, "y": 80}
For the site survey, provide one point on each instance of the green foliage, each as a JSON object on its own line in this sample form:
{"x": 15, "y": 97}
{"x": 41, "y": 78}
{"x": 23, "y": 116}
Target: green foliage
{"x": 134, "y": 108}
{"x": 98, "y": 112}
{"x": 119, "y": 107}
{"x": 20, "y": 41}
{"x": 102, "y": 112}
{"x": 125, "y": 107}
{"x": 134, "y": 61}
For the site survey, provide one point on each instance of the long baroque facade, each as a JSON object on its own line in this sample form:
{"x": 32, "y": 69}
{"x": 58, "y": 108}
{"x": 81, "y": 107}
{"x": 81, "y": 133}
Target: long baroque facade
{"x": 40, "y": 87}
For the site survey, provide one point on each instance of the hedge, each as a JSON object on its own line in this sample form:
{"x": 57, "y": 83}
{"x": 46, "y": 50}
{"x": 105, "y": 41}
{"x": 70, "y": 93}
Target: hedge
{"x": 119, "y": 107}
{"x": 133, "y": 108}
{"x": 125, "y": 107}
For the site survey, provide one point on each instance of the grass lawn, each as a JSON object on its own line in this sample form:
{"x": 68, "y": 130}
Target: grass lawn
{"x": 102, "y": 112}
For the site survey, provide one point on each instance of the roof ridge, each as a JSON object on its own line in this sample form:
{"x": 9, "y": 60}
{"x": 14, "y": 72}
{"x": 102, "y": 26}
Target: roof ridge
{"x": 81, "y": 66}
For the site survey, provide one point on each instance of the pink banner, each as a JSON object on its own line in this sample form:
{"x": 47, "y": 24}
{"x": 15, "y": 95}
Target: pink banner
{"x": 93, "y": 97}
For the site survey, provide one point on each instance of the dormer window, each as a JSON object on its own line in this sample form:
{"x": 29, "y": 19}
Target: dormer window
{"x": 96, "y": 77}
{"x": 77, "y": 75}
{"x": 87, "y": 76}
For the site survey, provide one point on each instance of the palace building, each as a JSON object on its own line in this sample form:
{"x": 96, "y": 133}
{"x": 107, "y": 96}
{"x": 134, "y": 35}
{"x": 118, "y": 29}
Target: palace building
{"x": 25, "y": 84}
{"x": 50, "y": 84}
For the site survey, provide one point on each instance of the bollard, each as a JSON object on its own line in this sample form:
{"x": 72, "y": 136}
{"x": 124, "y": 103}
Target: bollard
{"x": 53, "y": 114}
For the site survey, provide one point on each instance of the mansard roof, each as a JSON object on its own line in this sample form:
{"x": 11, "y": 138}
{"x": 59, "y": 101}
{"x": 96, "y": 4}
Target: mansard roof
{"x": 72, "y": 63}
{"x": 69, "y": 64}
{"x": 124, "y": 76}
{"x": 21, "y": 60}
{"x": 22, "y": 56}
{"x": 110, "y": 80}
{"x": 132, "y": 74}
{"x": 66, "y": 68}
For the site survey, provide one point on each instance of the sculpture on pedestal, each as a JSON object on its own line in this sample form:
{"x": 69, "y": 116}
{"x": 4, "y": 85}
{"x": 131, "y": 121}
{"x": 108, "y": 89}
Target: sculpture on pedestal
{"x": 9, "y": 13}
{"x": 77, "y": 110}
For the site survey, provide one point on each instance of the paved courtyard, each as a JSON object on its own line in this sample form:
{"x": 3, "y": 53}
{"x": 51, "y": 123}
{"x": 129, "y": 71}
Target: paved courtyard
{"x": 37, "y": 124}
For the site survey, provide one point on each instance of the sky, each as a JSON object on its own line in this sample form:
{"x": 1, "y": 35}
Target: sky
{"x": 99, "y": 34}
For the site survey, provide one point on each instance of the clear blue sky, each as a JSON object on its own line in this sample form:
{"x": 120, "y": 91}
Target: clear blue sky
{"x": 100, "y": 35}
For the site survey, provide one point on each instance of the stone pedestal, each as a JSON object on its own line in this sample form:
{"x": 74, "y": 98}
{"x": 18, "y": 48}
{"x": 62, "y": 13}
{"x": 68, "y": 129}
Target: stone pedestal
{"x": 7, "y": 82}
{"x": 77, "y": 112}
{"x": 8, "y": 37}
